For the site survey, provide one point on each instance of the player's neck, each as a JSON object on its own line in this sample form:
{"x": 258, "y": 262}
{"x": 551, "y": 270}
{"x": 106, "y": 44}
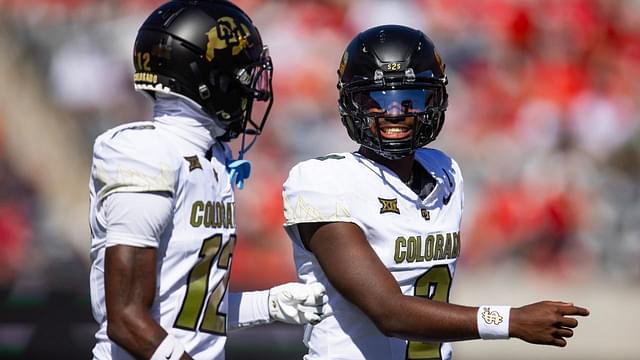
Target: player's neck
{"x": 402, "y": 167}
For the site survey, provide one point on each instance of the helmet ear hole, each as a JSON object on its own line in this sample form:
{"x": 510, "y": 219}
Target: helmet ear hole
{"x": 204, "y": 92}
{"x": 347, "y": 121}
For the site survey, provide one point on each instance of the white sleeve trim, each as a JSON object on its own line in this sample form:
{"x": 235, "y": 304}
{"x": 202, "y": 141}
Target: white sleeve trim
{"x": 114, "y": 239}
{"x": 249, "y": 308}
{"x": 136, "y": 219}
{"x": 121, "y": 188}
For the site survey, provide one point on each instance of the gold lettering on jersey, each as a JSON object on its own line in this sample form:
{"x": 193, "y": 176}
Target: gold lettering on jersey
{"x": 399, "y": 256}
{"x": 145, "y": 77}
{"x": 437, "y": 252}
{"x": 194, "y": 162}
{"x": 428, "y": 246}
{"x": 213, "y": 214}
{"x": 425, "y": 214}
{"x": 411, "y": 249}
{"x": 389, "y": 205}
{"x": 447, "y": 247}
{"x": 415, "y": 248}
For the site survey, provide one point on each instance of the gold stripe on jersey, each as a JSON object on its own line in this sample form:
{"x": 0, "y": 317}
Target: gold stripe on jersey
{"x": 433, "y": 247}
{"x": 213, "y": 214}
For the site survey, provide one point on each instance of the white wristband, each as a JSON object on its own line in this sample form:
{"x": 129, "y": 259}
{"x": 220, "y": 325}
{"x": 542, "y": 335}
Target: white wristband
{"x": 169, "y": 349}
{"x": 249, "y": 308}
{"x": 493, "y": 322}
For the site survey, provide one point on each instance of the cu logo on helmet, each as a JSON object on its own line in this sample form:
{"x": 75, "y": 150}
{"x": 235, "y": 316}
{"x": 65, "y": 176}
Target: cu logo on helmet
{"x": 226, "y": 33}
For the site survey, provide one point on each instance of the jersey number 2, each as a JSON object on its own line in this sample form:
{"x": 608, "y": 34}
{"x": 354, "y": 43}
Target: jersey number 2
{"x": 435, "y": 285}
{"x": 213, "y": 321}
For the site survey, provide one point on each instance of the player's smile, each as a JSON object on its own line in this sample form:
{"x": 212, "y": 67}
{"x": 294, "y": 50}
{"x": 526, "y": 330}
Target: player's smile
{"x": 393, "y": 130}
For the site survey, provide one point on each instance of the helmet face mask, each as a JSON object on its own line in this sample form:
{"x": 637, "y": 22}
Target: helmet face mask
{"x": 210, "y": 53}
{"x": 392, "y": 75}
{"x": 253, "y": 82}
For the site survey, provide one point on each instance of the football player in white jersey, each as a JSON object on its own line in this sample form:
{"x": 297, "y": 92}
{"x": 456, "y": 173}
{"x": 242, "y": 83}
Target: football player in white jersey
{"x": 380, "y": 227}
{"x": 162, "y": 211}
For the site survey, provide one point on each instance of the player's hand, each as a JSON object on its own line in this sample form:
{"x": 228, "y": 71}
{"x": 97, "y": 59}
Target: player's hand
{"x": 297, "y": 303}
{"x": 545, "y": 322}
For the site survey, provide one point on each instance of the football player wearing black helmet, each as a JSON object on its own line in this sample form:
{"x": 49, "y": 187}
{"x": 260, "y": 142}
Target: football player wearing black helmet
{"x": 380, "y": 227}
{"x": 393, "y": 93}
{"x": 210, "y": 53}
{"x": 162, "y": 209}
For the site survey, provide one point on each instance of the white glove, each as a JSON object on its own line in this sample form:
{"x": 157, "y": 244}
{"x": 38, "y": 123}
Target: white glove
{"x": 297, "y": 303}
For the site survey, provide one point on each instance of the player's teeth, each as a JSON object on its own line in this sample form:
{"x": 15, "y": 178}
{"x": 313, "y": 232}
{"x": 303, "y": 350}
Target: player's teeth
{"x": 394, "y": 130}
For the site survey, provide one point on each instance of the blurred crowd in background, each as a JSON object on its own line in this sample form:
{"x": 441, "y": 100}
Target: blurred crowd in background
{"x": 544, "y": 118}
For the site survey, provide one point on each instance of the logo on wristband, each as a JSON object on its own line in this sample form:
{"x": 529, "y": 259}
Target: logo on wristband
{"x": 491, "y": 317}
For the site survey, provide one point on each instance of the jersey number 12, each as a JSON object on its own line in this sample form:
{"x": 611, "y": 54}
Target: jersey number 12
{"x": 213, "y": 321}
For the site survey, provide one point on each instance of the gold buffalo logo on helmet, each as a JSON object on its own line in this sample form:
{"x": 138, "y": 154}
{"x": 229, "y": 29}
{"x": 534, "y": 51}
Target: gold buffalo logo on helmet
{"x": 343, "y": 63}
{"x": 227, "y": 33}
{"x": 439, "y": 62}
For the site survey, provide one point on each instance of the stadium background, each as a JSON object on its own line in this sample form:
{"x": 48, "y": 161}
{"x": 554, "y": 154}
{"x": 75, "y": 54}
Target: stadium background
{"x": 543, "y": 117}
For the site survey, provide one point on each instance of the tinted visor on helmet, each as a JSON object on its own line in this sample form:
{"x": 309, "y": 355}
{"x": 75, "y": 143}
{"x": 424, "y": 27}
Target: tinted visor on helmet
{"x": 395, "y": 102}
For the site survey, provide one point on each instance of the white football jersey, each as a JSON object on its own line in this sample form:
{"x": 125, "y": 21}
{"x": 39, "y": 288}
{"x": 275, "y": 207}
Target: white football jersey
{"x": 194, "y": 250}
{"x": 418, "y": 240}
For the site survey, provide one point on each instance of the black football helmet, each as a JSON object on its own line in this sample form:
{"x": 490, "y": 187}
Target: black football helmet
{"x": 397, "y": 71}
{"x": 208, "y": 52}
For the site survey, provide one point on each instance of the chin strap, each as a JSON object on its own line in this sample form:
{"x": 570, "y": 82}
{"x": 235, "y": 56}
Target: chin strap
{"x": 239, "y": 170}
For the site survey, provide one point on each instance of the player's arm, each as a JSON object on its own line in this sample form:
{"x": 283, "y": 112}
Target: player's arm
{"x": 130, "y": 285}
{"x": 357, "y": 273}
{"x": 134, "y": 222}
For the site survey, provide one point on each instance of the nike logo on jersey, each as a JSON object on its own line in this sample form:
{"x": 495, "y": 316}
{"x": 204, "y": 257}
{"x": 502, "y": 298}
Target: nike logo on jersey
{"x": 194, "y": 163}
{"x": 389, "y": 205}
